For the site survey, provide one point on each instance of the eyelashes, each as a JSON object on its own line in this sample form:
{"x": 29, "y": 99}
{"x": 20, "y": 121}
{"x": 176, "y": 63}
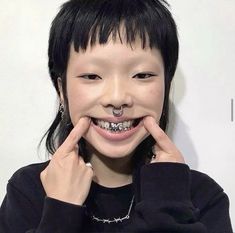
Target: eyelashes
{"x": 137, "y": 76}
{"x": 144, "y": 75}
{"x": 90, "y": 76}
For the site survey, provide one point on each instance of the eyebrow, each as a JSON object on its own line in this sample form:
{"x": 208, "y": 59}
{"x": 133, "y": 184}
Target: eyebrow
{"x": 130, "y": 62}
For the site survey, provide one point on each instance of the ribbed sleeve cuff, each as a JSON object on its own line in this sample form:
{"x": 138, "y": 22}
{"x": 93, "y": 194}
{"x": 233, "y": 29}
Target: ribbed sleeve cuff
{"x": 165, "y": 182}
{"x": 59, "y": 216}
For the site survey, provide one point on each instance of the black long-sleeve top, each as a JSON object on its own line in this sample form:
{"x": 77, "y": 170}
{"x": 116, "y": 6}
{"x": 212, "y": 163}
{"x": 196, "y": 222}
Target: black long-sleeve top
{"x": 168, "y": 197}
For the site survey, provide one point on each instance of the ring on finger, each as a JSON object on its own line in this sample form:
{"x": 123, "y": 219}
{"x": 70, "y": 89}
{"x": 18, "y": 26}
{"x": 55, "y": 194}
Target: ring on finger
{"x": 89, "y": 165}
{"x": 154, "y": 154}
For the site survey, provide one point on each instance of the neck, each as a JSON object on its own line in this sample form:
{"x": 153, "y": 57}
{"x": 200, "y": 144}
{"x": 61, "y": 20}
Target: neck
{"x": 111, "y": 172}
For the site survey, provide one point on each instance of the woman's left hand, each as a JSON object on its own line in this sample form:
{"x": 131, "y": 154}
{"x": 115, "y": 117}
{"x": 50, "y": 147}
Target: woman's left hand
{"x": 164, "y": 149}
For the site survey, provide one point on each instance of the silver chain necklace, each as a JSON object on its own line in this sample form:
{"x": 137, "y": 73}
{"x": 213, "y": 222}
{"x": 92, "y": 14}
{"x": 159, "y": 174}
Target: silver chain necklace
{"x": 114, "y": 220}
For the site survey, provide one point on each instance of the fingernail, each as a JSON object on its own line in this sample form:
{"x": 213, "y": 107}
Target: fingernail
{"x": 147, "y": 118}
{"x": 86, "y": 118}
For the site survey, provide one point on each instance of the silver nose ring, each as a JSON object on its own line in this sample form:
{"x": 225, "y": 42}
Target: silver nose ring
{"x": 117, "y": 112}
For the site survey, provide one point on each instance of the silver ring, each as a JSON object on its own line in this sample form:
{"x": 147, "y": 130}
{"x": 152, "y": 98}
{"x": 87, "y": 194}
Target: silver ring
{"x": 117, "y": 112}
{"x": 89, "y": 165}
{"x": 154, "y": 154}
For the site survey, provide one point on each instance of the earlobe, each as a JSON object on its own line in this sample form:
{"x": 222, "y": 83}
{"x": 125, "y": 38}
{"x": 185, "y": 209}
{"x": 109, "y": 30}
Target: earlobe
{"x": 59, "y": 83}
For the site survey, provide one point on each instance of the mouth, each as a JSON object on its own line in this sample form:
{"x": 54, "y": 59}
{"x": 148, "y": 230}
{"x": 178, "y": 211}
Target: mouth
{"x": 117, "y": 127}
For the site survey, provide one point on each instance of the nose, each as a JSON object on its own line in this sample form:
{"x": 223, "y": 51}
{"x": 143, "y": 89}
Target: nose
{"x": 117, "y": 93}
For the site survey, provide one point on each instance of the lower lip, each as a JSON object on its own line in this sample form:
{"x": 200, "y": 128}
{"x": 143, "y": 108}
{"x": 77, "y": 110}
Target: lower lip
{"x": 117, "y": 136}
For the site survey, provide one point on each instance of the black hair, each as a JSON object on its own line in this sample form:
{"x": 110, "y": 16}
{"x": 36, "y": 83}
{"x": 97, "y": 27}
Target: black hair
{"x": 80, "y": 22}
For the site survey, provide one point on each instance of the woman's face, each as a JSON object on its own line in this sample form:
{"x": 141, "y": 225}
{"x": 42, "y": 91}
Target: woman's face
{"x": 114, "y": 75}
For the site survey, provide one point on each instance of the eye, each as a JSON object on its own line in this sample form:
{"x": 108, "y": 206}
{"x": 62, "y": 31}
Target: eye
{"x": 143, "y": 75}
{"x": 90, "y": 76}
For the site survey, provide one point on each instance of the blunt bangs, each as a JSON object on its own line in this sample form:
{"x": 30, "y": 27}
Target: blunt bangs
{"x": 87, "y": 22}
{"x": 83, "y": 23}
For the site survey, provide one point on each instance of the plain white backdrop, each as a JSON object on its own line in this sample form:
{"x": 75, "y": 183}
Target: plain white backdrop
{"x": 201, "y": 116}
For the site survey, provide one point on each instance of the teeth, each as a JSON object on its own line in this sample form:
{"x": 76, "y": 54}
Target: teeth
{"x": 106, "y": 124}
{"x": 125, "y": 125}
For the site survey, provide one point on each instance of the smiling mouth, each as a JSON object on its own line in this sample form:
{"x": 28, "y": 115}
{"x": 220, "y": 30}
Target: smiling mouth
{"x": 117, "y": 127}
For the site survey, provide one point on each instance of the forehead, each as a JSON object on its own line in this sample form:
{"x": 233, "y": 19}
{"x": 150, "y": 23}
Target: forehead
{"x": 117, "y": 51}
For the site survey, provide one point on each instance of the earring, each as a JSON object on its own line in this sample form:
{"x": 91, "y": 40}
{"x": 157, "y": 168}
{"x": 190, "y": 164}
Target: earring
{"x": 61, "y": 110}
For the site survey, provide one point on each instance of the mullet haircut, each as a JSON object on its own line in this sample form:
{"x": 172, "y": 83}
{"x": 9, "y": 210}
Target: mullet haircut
{"x": 80, "y": 23}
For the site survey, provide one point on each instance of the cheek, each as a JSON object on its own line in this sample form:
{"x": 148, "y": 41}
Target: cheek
{"x": 153, "y": 101}
{"x": 79, "y": 102}
{"x": 156, "y": 96}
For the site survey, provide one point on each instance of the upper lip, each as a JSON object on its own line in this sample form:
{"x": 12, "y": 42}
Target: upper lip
{"x": 116, "y": 119}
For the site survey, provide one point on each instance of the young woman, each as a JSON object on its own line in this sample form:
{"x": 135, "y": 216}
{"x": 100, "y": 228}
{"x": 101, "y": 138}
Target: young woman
{"x": 113, "y": 168}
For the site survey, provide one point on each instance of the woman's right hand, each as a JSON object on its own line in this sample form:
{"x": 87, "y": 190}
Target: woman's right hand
{"x": 67, "y": 178}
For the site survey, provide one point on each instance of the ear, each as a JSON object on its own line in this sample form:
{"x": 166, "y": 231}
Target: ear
{"x": 59, "y": 83}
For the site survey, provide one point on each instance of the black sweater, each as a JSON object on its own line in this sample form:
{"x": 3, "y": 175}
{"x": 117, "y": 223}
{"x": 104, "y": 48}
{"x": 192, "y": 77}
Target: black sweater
{"x": 169, "y": 197}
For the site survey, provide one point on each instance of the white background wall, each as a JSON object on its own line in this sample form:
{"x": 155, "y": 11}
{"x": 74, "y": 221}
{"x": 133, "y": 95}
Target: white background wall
{"x": 201, "y": 124}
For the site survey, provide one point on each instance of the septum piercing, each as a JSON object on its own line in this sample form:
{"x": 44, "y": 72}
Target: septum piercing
{"x": 117, "y": 112}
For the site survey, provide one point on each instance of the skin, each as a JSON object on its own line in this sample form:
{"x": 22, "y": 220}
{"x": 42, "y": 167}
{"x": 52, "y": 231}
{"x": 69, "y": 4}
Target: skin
{"x": 116, "y": 83}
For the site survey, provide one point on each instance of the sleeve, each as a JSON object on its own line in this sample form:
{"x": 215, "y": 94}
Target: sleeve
{"x": 213, "y": 204}
{"x": 18, "y": 214}
{"x": 60, "y": 217}
{"x": 165, "y": 203}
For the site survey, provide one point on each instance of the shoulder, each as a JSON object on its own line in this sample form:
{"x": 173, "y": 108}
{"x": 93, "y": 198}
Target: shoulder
{"x": 30, "y": 171}
{"x": 200, "y": 179}
{"x": 28, "y": 177}
{"x": 25, "y": 192}
{"x": 204, "y": 189}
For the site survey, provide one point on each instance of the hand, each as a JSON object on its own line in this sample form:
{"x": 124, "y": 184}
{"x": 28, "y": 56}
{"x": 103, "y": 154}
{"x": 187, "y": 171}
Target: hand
{"x": 67, "y": 178}
{"x": 164, "y": 149}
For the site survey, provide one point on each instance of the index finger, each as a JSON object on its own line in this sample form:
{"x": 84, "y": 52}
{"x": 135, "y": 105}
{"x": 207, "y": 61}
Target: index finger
{"x": 75, "y": 135}
{"x": 163, "y": 141}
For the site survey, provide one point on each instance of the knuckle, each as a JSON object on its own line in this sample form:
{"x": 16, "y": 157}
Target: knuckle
{"x": 59, "y": 152}
{"x": 72, "y": 155}
{"x": 81, "y": 161}
{"x": 89, "y": 171}
{"x": 70, "y": 159}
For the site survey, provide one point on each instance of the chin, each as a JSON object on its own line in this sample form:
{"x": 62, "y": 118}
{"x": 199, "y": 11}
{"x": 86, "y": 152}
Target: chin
{"x": 113, "y": 151}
